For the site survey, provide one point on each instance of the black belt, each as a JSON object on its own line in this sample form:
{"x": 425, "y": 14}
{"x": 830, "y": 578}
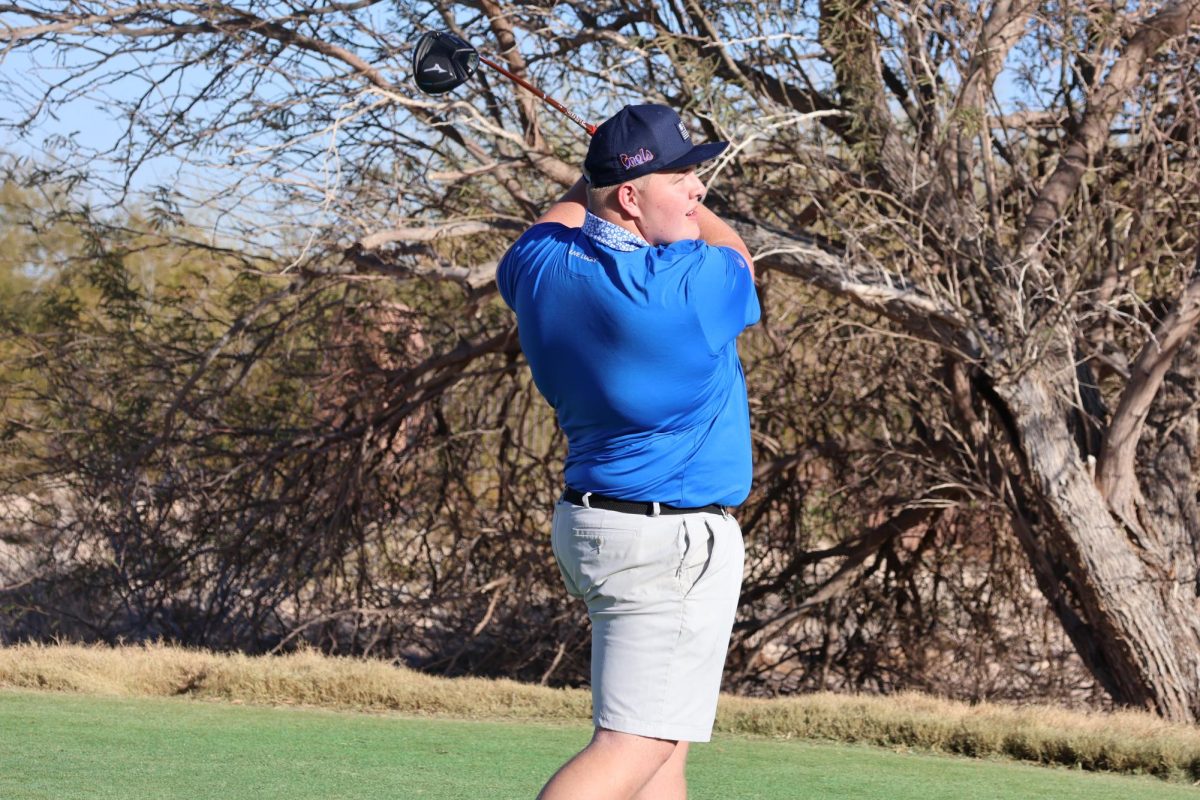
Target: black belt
{"x": 634, "y": 507}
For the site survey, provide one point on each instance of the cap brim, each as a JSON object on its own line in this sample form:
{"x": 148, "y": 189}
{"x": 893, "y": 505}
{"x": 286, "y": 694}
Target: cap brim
{"x": 697, "y": 155}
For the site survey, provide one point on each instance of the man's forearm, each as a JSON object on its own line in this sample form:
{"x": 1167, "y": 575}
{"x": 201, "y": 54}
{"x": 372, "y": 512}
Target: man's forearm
{"x": 719, "y": 233}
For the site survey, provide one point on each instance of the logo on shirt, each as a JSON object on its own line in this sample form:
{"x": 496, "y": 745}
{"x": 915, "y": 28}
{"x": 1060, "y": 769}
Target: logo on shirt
{"x": 637, "y": 159}
{"x": 578, "y": 254}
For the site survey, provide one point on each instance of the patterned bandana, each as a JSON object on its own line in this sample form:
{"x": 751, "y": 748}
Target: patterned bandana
{"x": 611, "y": 235}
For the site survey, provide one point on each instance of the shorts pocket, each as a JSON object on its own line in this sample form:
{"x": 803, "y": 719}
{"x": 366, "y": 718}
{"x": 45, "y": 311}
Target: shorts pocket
{"x": 697, "y": 551}
{"x": 593, "y": 555}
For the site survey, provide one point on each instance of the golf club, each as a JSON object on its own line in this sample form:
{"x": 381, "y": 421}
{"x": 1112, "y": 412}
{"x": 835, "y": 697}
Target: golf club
{"x": 443, "y": 61}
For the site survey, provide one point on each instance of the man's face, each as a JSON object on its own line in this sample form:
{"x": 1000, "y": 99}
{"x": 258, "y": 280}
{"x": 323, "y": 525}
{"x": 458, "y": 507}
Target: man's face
{"x": 668, "y": 202}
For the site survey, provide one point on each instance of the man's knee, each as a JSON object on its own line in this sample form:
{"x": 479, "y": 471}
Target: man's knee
{"x": 653, "y": 752}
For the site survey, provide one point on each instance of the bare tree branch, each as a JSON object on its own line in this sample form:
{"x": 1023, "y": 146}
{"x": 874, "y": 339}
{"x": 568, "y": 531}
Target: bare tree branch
{"x": 1103, "y": 103}
{"x": 1115, "y": 473}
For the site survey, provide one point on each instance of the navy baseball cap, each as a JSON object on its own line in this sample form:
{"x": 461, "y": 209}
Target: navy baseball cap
{"x": 638, "y": 140}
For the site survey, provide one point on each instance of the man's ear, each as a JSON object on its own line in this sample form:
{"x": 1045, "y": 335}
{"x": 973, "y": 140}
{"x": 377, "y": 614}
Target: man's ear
{"x": 629, "y": 200}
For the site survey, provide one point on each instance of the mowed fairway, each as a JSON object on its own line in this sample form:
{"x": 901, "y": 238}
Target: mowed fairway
{"x": 76, "y": 746}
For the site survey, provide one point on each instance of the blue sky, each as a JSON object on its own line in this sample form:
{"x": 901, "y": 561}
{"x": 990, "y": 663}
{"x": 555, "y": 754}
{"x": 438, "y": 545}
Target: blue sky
{"x": 87, "y": 121}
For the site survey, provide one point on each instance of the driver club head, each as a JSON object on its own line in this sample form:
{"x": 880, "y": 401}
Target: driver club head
{"x": 442, "y": 61}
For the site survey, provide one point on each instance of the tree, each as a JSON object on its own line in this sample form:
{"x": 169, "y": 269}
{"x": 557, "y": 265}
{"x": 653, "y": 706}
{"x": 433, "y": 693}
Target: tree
{"x": 1015, "y": 266}
{"x": 1003, "y": 191}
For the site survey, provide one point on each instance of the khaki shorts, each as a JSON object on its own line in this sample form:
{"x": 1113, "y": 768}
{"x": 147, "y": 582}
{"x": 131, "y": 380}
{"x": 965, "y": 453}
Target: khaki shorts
{"x": 661, "y": 593}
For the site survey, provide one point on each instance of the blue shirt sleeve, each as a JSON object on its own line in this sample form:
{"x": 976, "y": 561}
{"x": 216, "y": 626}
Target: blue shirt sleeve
{"x": 507, "y": 272}
{"x": 521, "y": 259}
{"x": 723, "y": 292}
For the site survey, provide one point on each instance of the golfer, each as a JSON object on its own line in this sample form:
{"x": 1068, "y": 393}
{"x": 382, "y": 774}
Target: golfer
{"x": 629, "y": 297}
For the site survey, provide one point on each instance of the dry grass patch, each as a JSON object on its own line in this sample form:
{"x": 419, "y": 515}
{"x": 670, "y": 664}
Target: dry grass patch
{"x": 1125, "y": 741}
{"x": 1130, "y": 742}
{"x": 305, "y": 678}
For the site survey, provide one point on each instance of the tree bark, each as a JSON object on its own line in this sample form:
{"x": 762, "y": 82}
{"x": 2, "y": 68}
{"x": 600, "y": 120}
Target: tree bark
{"x": 1144, "y": 628}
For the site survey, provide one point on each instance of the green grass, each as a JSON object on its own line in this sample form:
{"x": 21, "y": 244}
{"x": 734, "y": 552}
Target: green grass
{"x": 75, "y": 746}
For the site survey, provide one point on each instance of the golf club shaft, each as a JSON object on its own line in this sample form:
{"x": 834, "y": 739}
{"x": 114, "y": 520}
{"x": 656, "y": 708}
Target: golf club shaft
{"x": 550, "y": 101}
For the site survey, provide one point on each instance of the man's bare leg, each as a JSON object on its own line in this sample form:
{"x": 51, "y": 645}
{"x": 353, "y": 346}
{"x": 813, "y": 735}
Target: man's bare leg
{"x": 669, "y": 783}
{"x": 614, "y": 766}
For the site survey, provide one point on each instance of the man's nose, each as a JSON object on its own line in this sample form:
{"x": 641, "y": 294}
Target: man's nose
{"x": 698, "y": 188}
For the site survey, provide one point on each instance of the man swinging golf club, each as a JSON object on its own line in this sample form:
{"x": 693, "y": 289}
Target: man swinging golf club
{"x": 629, "y": 297}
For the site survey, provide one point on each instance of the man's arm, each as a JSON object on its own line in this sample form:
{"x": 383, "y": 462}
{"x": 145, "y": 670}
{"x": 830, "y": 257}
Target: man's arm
{"x": 570, "y": 208}
{"x": 717, "y": 232}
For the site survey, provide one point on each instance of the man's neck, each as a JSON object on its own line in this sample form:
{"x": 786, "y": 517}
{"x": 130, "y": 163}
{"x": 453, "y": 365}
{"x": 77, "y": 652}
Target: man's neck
{"x": 612, "y": 233}
{"x": 608, "y": 215}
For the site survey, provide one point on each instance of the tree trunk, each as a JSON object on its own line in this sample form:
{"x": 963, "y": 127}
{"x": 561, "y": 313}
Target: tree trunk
{"x": 1121, "y": 580}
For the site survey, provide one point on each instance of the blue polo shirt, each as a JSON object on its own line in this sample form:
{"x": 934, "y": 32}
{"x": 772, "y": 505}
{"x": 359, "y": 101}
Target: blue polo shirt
{"x": 636, "y": 353}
